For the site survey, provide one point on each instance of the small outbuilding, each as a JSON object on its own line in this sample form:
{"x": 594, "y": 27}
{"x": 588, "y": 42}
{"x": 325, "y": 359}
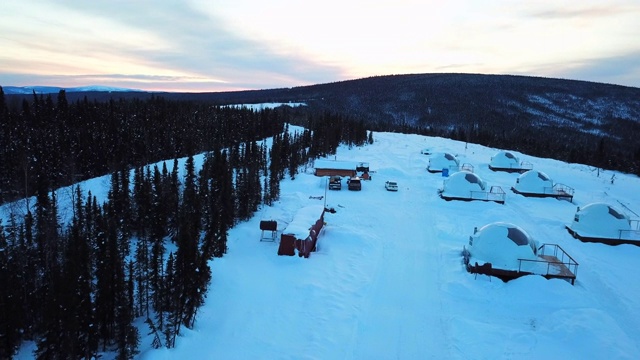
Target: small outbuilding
{"x": 325, "y": 167}
{"x": 440, "y": 161}
{"x": 535, "y": 183}
{"x": 269, "y": 230}
{"x": 506, "y": 251}
{"x": 601, "y": 222}
{"x": 507, "y": 161}
{"x": 302, "y": 232}
{"x": 468, "y": 186}
{"x": 362, "y": 167}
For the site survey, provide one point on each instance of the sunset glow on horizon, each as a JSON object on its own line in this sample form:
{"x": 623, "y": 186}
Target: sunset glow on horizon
{"x": 199, "y": 45}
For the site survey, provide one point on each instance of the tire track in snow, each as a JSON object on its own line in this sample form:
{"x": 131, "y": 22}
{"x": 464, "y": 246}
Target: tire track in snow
{"x": 393, "y": 319}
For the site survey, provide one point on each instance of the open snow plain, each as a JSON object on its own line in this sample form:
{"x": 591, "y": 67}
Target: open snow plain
{"x": 388, "y": 282}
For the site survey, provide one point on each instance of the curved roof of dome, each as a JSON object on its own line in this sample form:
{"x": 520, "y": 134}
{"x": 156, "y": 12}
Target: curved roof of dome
{"x": 533, "y": 181}
{"x": 600, "y": 220}
{"x": 502, "y": 244}
{"x": 443, "y": 160}
{"x": 504, "y": 159}
{"x": 461, "y": 184}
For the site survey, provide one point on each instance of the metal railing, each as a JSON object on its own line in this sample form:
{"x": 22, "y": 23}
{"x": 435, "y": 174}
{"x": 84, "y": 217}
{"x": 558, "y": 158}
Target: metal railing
{"x": 629, "y": 235}
{"x": 549, "y": 249}
{"x": 559, "y": 189}
{"x": 495, "y": 194}
{"x": 525, "y": 165}
{"x": 466, "y": 167}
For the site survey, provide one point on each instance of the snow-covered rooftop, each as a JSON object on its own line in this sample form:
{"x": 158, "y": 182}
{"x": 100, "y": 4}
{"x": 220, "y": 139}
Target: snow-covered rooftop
{"x": 303, "y": 220}
{"x": 334, "y": 164}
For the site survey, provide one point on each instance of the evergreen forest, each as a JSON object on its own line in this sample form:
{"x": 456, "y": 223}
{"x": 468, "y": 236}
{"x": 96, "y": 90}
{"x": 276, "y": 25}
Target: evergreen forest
{"x": 77, "y": 287}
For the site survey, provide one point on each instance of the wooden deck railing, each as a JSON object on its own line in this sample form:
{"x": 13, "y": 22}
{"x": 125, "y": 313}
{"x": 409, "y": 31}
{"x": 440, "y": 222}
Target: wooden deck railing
{"x": 557, "y": 252}
{"x": 525, "y": 165}
{"x": 633, "y": 233}
{"x": 629, "y": 235}
{"x": 558, "y": 190}
{"x": 562, "y": 189}
{"x": 494, "y": 194}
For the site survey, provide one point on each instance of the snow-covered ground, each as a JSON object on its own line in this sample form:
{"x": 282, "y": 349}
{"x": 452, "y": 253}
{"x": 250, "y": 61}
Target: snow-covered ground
{"x": 388, "y": 282}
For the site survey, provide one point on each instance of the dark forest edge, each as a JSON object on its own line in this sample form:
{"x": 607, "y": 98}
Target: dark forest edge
{"x": 568, "y": 120}
{"x": 76, "y": 288}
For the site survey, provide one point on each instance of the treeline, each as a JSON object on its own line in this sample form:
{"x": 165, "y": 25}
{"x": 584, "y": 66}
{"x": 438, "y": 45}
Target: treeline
{"x": 50, "y": 142}
{"x": 75, "y": 286}
{"x": 590, "y": 148}
{"x": 575, "y": 121}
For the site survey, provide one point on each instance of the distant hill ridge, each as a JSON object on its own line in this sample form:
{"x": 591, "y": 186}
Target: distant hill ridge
{"x": 29, "y": 90}
{"x": 508, "y": 111}
{"x": 422, "y": 99}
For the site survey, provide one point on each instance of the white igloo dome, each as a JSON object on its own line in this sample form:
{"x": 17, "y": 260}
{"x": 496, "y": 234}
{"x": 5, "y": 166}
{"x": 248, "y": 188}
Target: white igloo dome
{"x": 534, "y": 182}
{"x": 505, "y": 160}
{"x": 600, "y": 220}
{"x": 502, "y": 244}
{"x": 461, "y": 184}
{"x": 440, "y": 161}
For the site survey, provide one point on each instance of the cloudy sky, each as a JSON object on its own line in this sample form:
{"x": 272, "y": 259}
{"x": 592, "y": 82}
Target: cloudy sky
{"x": 219, "y": 45}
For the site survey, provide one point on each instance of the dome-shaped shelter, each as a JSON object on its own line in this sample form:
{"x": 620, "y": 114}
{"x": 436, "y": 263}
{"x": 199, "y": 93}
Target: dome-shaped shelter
{"x": 533, "y": 182}
{"x": 465, "y": 185}
{"x": 502, "y": 244}
{"x": 504, "y": 160}
{"x": 440, "y": 161}
{"x": 462, "y": 183}
{"x": 506, "y": 251}
{"x": 507, "y": 161}
{"x": 538, "y": 184}
{"x": 601, "y": 222}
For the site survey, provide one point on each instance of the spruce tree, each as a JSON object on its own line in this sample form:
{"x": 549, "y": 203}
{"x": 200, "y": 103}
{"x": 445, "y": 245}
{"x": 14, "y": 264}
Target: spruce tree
{"x": 158, "y": 232}
{"x": 76, "y": 323}
{"x": 141, "y": 274}
{"x": 128, "y": 337}
{"x": 110, "y": 279}
{"x": 173, "y": 198}
{"x": 169, "y": 316}
{"x": 187, "y": 253}
{"x": 10, "y": 319}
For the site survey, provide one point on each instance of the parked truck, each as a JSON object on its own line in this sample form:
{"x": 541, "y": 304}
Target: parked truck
{"x": 354, "y": 183}
{"x": 335, "y": 183}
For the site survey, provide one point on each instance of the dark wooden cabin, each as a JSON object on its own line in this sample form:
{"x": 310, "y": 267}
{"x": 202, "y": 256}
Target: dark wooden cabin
{"x": 302, "y": 232}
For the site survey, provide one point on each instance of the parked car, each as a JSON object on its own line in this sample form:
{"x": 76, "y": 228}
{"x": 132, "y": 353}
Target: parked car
{"x": 354, "y": 183}
{"x": 391, "y": 185}
{"x": 335, "y": 183}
